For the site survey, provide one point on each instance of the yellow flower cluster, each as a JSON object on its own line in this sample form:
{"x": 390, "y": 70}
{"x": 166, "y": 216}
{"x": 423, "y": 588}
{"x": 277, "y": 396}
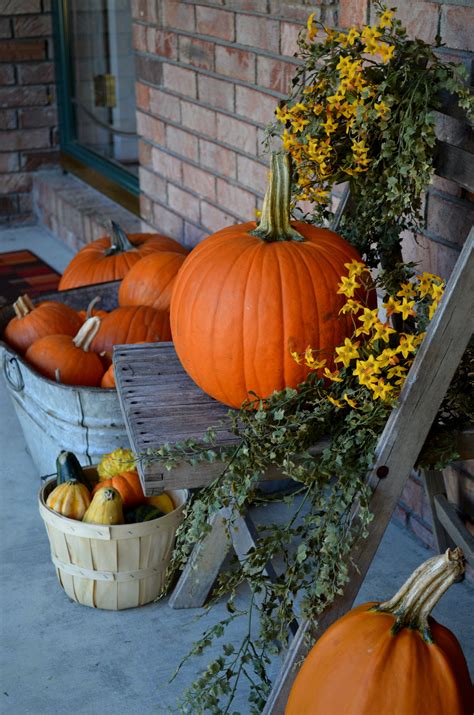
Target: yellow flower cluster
{"x": 379, "y": 361}
{"x": 337, "y": 105}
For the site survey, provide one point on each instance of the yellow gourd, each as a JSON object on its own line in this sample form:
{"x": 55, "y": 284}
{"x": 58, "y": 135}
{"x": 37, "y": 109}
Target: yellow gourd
{"x": 106, "y": 507}
{"x": 162, "y": 502}
{"x": 116, "y": 462}
{"x": 70, "y": 499}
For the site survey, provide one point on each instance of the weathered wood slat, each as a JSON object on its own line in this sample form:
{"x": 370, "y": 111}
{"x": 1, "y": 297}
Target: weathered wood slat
{"x": 434, "y": 485}
{"x": 454, "y": 526}
{"x": 455, "y": 164}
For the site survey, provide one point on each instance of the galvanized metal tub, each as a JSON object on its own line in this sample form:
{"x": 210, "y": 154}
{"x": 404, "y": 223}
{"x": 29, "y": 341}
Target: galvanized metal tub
{"x": 85, "y": 420}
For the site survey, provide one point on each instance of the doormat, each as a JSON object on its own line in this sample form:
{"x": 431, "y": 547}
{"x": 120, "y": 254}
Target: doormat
{"x": 23, "y": 272}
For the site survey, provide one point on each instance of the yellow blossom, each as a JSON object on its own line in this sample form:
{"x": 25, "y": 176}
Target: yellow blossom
{"x": 368, "y": 320}
{"x": 296, "y": 357}
{"x": 352, "y": 35}
{"x": 386, "y": 51}
{"x": 391, "y": 306}
{"x": 408, "y": 344}
{"x": 382, "y": 109}
{"x": 382, "y": 331}
{"x": 366, "y": 370}
{"x": 342, "y": 39}
{"x": 348, "y": 286}
{"x": 407, "y": 290}
{"x": 282, "y": 114}
{"x": 399, "y": 371}
{"x": 349, "y": 401}
{"x": 350, "y": 306}
{"x": 386, "y": 19}
{"x": 388, "y": 357}
{"x": 333, "y": 376}
{"x": 356, "y": 268}
{"x": 312, "y": 30}
{"x": 347, "y": 352}
{"x": 329, "y": 125}
{"x": 381, "y": 389}
{"x": 426, "y": 282}
{"x": 311, "y": 362}
{"x": 333, "y": 401}
{"x": 406, "y": 308}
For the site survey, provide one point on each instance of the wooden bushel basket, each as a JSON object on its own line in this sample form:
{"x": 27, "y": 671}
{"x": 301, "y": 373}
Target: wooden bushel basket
{"x": 111, "y": 567}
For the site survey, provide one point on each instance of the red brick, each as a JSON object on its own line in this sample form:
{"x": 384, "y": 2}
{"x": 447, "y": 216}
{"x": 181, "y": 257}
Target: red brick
{"x": 180, "y": 80}
{"x": 233, "y": 62}
{"x": 33, "y": 139}
{"x": 9, "y": 161}
{"x": 295, "y": 9}
{"x": 5, "y": 28}
{"x": 142, "y": 93}
{"x": 165, "y": 105}
{"x": 166, "y": 165}
{"x": 7, "y": 75}
{"x": 167, "y": 222}
{"x": 166, "y": 44}
{"x": 148, "y": 68}
{"x": 8, "y": 119}
{"x": 22, "y": 50}
{"x": 146, "y": 208}
{"x": 222, "y": 161}
{"x": 216, "y": 92}
{"x": 22, "y": 97}
{"x": 259, "y": 32}
{"x": 19, "y": 7}
{"x": 252, "y": 174}
{"x": 353, "y": 12}
{"x": 275, "y": 74}
{"x": 42, "y": 73}
{"x": 255, "y": 105}
{"x": 198, "y": 53}
{"x": 240, "y": 135}
{"x": 214, "y": 219}
{"x": 201, "y": 182}
{"x": 139, "y": 37}
{"x": 150, "y": 128}
{"x": 215, "y": 22}
{"x": 412, "y": 495}
{"x": 32, "y": 26}
{"x": 39, "y": 117}
{"x": 182, "y": 143}
{"x": 457, "y": 25}
{"x": 183, "y": 203}
{"x": 241, "y": 202}
{"x": 178, "y": 15}
{"x": 144, "y": 153}
{"x": 15, "y": 183}
{"x": 144, "y": 10}
{"x": 289, "y": 38}
{"x": 152, "y": 185}
{"x": 199, "y": 118}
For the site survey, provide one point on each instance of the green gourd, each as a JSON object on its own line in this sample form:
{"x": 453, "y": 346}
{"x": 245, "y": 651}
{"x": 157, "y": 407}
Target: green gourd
{"x": 144, "y": 512}
{"x": 106, "y": 507}
{"x": 68, "y": 467}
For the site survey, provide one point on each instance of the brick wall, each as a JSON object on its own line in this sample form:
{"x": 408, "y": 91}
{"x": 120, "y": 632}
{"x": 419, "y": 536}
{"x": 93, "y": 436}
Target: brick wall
{"x": 28, "y": 118}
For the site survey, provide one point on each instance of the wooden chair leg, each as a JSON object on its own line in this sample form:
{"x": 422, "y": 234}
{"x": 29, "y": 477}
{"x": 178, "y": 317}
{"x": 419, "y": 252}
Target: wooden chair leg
{"x": 203, "y": 566}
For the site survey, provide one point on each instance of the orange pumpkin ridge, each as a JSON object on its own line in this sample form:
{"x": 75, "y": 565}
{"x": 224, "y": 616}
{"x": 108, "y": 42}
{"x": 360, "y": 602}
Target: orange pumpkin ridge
{"x": 151, "y": 280}
{"x": 32, "y": 322}
{"x": 132, "y": 324}
{"x": 248, "y": 295}
{"x": 110, "y": 258}
{"x": 128, "y": 486}
{"x": 389, "y": 658}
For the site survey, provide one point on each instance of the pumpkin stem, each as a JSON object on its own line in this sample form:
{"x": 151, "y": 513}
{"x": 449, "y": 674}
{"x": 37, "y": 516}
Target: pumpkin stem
{"x": 413, "y": 603}
{"x": 119, "y": 242}
{"x": 275, "y": 219}
{"x": 87, "y": 333}
{"x": 23, "y": 306}
{"x": 91, "y": 306}
{"x": 57, "y": 375}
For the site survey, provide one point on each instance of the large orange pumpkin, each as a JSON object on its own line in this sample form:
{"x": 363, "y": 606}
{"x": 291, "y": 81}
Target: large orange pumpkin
{"x": 390, "y": 658}
{"x": 111, "y": 257}
{"x": 128, "y": 486}
{"x": 151, "y": 280}
{"x": 247, "y": 296}
{"x": 132, "y": 324}
{"x": 33, "y": 322}
{"x": 68, "y": 360}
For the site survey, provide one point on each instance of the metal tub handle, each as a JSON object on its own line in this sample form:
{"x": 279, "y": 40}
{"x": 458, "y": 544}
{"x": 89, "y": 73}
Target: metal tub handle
{"x": 12, "y": 372}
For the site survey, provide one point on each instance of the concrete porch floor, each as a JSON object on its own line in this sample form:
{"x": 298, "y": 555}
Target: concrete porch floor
{"x": 57, "y": 656}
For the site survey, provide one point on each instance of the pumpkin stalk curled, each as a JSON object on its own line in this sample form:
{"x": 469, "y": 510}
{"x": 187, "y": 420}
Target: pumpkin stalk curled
{"x": 87, "y": 333}
{"x": 119, "y": 242}
{"x": 415, "y": 600}
{"x": 23, "y": 306}
{"x": 275, "y": 219}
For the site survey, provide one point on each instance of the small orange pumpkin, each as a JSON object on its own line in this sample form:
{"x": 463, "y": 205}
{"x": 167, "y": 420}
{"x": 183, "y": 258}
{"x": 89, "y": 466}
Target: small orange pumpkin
{"x": 151, "y": 280}
{"x": 108, "y": 379}
{"x": 389, "y": 658}
{"x": 32, "y": 322}
{"x": 128, "y": 486}
{"x": 111, "y": 257}
{"x": 92, "y": 310}
{"x": 68, "y": 360}
{"x": 132, "y": 324}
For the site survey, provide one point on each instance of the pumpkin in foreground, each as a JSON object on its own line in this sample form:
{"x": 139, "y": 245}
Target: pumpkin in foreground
{"x": 248, "y": 295}
{"x": 390, "y": 658}
{"x": 110, "y": 258}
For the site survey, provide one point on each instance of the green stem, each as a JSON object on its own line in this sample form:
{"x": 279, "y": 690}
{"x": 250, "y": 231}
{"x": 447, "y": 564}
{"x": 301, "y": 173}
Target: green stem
{"x": 275, "y": 220}
{"x": 414, "y": 602}
{"x": 119, "y": 242}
